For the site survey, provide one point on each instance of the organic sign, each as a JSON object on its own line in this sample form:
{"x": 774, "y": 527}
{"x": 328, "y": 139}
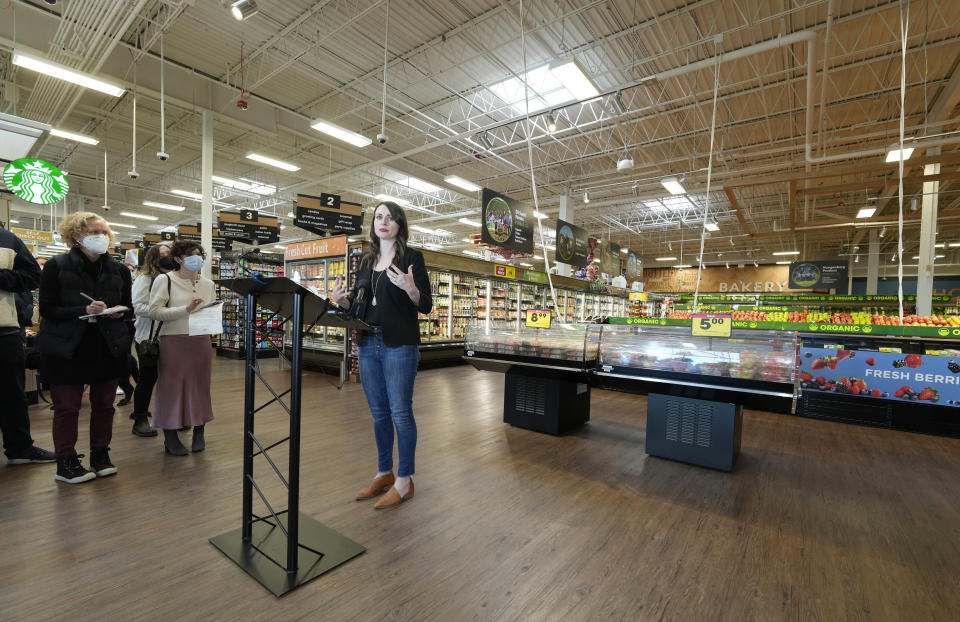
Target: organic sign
{"x": 327, "y": 213}
{"x": 571, "y": 244}
{"x": 249, "y": 226}
{"x": 818, "y": 274}
{"x": 36, "y": 181}
{"x": 505, "y": 223}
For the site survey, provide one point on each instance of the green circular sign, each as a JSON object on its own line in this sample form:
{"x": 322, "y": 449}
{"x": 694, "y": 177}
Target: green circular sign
{"x": 36, "y": 181}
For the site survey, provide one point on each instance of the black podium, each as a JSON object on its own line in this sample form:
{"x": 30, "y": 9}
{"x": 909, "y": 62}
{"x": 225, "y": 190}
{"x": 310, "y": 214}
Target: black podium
{"x": 285, "y": 549}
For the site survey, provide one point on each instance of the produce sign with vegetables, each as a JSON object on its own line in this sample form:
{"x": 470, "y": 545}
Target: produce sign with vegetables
{"x": 922, "y": 378}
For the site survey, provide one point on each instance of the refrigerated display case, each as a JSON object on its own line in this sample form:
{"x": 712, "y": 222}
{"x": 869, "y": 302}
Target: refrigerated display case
{"x": 319, "y": 276}
{"x": 241, "y": 264}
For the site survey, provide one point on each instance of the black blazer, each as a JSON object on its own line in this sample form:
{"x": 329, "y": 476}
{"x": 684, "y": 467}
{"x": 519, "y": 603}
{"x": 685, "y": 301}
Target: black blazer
{"x": 400, "y": 324}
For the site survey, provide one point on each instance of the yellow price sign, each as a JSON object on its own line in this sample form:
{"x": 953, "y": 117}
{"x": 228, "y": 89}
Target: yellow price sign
{"x": 537, "y": 318}
{"x": 712, "y": 324}
{"x": 637, "y": 296}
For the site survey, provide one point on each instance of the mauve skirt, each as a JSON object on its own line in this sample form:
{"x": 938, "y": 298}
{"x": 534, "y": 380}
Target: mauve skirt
{"x": 182, "y": 396}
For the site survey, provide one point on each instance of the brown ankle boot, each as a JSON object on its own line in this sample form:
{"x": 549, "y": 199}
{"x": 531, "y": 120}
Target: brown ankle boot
{"x": 376, "y": 486}
{"x": 393, "y": 498}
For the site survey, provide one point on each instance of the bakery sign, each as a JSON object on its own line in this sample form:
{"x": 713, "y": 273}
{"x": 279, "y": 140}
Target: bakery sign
{"x": 748, "y": 280}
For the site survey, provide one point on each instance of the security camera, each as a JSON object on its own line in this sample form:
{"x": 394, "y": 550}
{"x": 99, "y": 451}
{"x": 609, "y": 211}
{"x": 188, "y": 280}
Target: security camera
{"x": 133, "y": 174}
{"x": 162, "y": 156}
{"x": 106, "y": 208}
{"x": 382, "y": 139}
{"x": 51, "y": 2}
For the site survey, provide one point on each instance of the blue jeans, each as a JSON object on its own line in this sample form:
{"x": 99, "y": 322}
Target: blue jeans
{"x": 387, "y": 375}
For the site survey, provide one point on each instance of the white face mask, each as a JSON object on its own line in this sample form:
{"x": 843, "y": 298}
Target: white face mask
{"x": 96, "y": 243}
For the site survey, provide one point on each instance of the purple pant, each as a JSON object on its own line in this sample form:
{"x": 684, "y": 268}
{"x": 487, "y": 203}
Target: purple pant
{"x": 66, "y": 414}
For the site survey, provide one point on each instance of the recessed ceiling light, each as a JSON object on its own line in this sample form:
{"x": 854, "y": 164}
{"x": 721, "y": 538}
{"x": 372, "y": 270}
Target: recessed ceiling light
{"x": 340, "y": 133}
{"x": 61, "y": 72}
{"x": 80, "y": 138}
{"x": 460, "y": 182}
{"x": 573, "y": 78}
{"x": 262, "y": 159}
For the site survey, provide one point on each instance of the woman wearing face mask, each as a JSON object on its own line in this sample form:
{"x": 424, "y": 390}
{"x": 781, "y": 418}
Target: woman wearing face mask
{"x": 397, "y": 287}
{"x": 76, "y": 352}
{"x": 156, "y": 262}
{"x": 183, "y": 376}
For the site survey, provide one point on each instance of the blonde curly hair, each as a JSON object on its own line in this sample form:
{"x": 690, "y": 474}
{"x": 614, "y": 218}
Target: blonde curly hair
{"x": 77, "y": 224}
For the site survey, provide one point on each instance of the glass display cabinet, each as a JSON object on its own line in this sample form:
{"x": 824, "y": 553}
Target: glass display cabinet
{"x": 566, "y": 346}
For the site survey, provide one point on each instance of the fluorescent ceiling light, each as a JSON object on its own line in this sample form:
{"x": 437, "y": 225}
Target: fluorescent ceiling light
{"x": 61, "y": 72}
{"x": 712, "y": 226}
{"x": 422, "y": 186}
{"x": 422, "y": 229}
{"x": 18, "y": 135}
{"x": 954, "y": 244}
{"x": 935, "y": 256}
{"x": 231, "y": 183}
{"x": 167, "y": 206}
{"x": 539, "y": 215}
{"x": 80, "y": 138}
{"x": 119, "y": 224}
{"x": 574, "y": 79}
{"x": 939, "y": 245}
{"x": 387, "y": 197}
{"x": 280, "y": 246}
{"x": 14, "y": 222}
{"x": 672, "y": 185}
{"x": 186, "y": 193}
{"x": 262, "y": 159}
{"x": 140, "y": 216}
{"x": 340, "y": 133}
{"x": 781, "y": 253}
{"x": 460, "y": 182}
{"x": 432, "y": 246}
{"x": 257, "y": 187}
{"x": 624, "y": 250}
{"x": 467, "y": 221}
{"x": 666, "y": 258}
{"x": 866, "y": 212}
{"x": 683, "y": 265}
{"x": 784, "y": 263}
{"x": 894, "y": 154}
{"x": 527, "y": 265}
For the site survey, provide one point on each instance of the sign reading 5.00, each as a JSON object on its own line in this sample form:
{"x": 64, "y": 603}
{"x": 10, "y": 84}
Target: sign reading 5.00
{"x": 537, "y": 318}
{"x": 712, "y": 324}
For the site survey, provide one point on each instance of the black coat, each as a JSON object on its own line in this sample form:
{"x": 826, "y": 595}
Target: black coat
{"x": 76, "y": 351}
{"x": 19, "y": 280}
{"x": 396, "y": 313}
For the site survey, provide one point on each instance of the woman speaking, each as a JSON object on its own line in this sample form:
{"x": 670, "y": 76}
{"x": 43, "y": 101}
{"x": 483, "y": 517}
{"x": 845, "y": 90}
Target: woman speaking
{"x": 396, "y": 287}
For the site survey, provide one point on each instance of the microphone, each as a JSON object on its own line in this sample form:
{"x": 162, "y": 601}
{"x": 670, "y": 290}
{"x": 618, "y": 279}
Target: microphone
{"x": 359, "y": 307}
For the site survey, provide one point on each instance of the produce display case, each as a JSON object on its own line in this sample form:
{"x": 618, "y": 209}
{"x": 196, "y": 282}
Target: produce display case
{"x": 750, "y": 363}
{"x": 569, "y": 347}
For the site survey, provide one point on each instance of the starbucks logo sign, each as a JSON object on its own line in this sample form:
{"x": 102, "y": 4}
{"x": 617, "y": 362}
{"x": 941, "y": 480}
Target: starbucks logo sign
{"x": 36, "y": 181}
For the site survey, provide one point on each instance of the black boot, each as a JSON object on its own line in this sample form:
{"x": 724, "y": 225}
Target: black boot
{"x": 172, "y": 444}
{"x": 141, "y": 427}
{"x": 198, "y": 442}
{"x": 70, "y": 471}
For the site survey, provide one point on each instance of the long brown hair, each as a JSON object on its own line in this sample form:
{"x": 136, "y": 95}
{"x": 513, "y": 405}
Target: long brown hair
{"x": 403, "y": 233}
{"x": 151, "y": 261}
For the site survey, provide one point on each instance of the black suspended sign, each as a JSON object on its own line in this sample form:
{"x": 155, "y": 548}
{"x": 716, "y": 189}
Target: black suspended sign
{"x": 249, "y": 226}
{"x": 327, "y": 214}
{"x": 167, "y": 236}
{"x": 505, "y": 223}
{"x": 609, "y": 257}
{"x": 818, "y": 274}
{"x": 571, "y": 244}
{"x": 192, "y": 232}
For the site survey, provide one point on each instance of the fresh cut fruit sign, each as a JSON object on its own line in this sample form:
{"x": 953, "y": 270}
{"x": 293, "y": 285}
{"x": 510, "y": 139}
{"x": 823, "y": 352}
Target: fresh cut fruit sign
{"x": 922, "y": 378}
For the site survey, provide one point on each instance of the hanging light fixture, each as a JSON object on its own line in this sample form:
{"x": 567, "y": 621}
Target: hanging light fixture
{"x": 551, "y": 123}
{"x": 242, "y": 9}
{"x": 586, "y": 197}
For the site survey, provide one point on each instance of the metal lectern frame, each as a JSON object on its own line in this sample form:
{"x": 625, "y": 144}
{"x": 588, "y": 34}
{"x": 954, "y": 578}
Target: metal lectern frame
{"x": 309, "y": 548}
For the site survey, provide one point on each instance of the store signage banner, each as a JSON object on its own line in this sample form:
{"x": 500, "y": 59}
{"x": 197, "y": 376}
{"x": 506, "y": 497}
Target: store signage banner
{"x": 571, "y": 244}
{"x": 507, "y": 272}
{"x": 327, "y": 247}
{"x": 327, "y": 213}
{"x": 249, "y": 226}
{"x": 632, "y": 271}
{"x": 818, "y": 274}
{"x": 747, "y": 280}
{"x": 609, "y": 258}
{"x": 36, "y": 181}
{"x": 505, "y": 223}
{"x": 535, "y": 277}
{"x": 32, "y": 235}
{"x": 920, "y": 378}
{"x": 192, "y": 232}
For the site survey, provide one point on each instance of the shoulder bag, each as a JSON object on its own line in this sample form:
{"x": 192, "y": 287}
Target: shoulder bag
{"x": 148, "y": 350}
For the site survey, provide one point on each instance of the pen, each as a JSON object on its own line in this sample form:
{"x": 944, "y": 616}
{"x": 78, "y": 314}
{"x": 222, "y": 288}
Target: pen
{"x": 87, "y": 297}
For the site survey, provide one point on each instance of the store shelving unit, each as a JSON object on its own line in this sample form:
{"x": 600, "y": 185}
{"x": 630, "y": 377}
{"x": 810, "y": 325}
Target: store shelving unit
{"x": 240, "y": 264}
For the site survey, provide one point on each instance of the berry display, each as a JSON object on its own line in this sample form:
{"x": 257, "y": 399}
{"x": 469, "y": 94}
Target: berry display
{"x": 899, "y": 363}
{"x": 952, "y": 366}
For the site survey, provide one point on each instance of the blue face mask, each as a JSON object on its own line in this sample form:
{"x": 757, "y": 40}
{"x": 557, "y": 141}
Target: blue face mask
{"x": 193, "y": 262}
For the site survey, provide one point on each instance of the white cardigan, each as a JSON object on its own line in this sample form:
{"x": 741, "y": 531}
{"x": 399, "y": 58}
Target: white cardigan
{"x": 175, "y": 316}
{"x": 140, "y": 294}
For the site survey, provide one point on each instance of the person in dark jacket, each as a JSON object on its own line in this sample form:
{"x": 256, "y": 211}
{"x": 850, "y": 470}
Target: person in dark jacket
{"x": 19, "y": 274}
{"x": 77, "y": 352}
{"x": 392, "y": 286}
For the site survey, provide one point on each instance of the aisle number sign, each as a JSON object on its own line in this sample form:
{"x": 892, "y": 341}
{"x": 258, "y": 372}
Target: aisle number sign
{"x": 537, "y": 318}
{"x": 712, "y": 324}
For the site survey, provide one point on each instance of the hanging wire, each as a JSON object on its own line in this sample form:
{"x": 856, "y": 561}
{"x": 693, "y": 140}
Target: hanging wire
{"x": 904, "y": 28}
{"x": 533, "y": 180}
{"x": 383, "y": 98}
{"x": 717, "y": 43}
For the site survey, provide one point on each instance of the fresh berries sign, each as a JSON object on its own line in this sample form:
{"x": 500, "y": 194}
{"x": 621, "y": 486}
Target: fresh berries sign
{"x": 36, "y": 181}
{"x": 926, "y": 378}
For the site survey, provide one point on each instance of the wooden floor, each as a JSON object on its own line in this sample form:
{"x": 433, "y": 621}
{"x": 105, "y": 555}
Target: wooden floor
{"x": 819, "y": 521}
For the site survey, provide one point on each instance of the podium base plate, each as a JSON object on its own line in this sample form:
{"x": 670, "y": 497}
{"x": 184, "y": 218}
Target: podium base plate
{"x": 269, "y": 542}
